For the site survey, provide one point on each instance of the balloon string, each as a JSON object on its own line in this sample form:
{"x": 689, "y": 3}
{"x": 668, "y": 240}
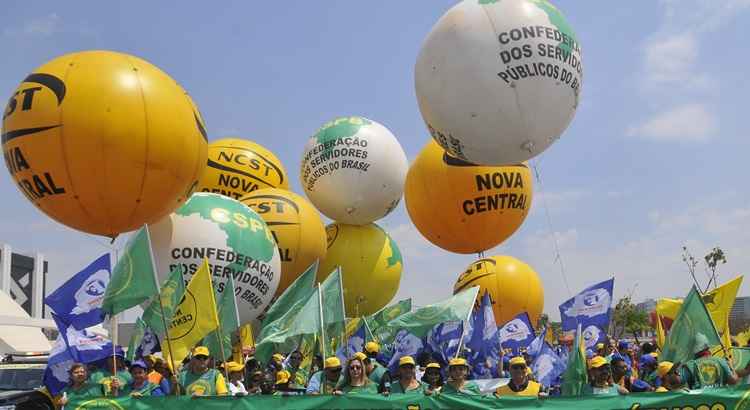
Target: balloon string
{"x": 558, "y": 256}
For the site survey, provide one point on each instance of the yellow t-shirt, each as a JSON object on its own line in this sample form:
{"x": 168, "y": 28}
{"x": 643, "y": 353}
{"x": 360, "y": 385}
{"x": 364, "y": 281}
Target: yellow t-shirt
{"x": 532, "y": 389}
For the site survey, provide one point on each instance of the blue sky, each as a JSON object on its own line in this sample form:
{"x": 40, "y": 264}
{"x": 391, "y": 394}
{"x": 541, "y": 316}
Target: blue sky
{"x": 655, "y": 158}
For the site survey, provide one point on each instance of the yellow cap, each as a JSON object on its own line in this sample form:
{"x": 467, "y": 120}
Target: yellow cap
{"x": 372, "y": 347}
{"x": 282, "y": 377}
{"x": 432, "y": 365}
{"x": 654, "y": 355}
{"x": 234, "y": 366}
{"x": 332, "y": 363}
{"x": 664, "y": 368}
{"x": 406, "y": 361}
{"x": 278, "y": 357}
{"x": 597, "y": 362}
{"x": 360, "y": 356}
{"x": 200, "y": 351}
{"x": 518, "y": 360}
{"x": 459, "y": 361}
{"x": 599, "y": 346}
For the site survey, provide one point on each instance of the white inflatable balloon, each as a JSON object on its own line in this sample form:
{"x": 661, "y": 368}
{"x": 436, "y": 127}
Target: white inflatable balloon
{"x": 236, "y": 242}
{"x": 499, "y": 81}
{"x": 353, "y": 170}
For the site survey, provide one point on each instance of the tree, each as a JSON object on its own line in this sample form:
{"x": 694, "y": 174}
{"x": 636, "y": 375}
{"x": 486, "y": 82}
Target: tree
{"x": 627, "y": 318}
{"x": 711, "y": 262}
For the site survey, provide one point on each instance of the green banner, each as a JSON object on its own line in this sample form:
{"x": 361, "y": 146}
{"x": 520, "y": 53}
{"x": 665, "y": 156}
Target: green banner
{"x": 737, "y": 398}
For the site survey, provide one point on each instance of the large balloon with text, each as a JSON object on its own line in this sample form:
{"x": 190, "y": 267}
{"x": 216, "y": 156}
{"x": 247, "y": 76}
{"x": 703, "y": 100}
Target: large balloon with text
{"x": 296, "y": 226}
{"x": 353, "y": 170}
{"x": 498, "y": 82}
{"x": 370, "y": 262}
{"x": 473, "y": 208}
{"x": 237, "y": 167}
{"x": 103, "y": 142}
{"x": 513, "y": 286}
{"x": 235, "y": 240}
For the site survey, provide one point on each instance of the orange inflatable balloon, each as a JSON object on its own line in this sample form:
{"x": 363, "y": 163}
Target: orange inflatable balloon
{"x": 462, "y": 207}
{"x": 513, "y": 287}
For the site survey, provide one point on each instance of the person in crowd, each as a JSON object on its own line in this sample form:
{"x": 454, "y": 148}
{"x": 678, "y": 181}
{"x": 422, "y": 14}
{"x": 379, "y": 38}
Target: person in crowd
{"x": 268, "y": 386}
{"x": 326, "y": 380}
{"x": 648, "y": 348}
{"x": 197, "y": 379}
{"x": 355, "y": 381}
{"x": 600, "y": 350}
{"x": 141, "y": 386}
{"x": 520, "y": 383}
{"x": 160, "y": 375}
{"x": 458, "y": 372}
{"x": 625, "y": 350}
{"x": 275, "y": 365}
{"x": 648, "y": 370}
{"x": 113, "y": 376}
{"x": 672, "y": 376}
{"x": 407, "y": 381}
{"x": 622, "y": 376}
{"x": 236, "y": 374}
{"x": 298, "y": 376}
{"x": 599, "y": 382}
{"x": 422, "y": 359}
{"x": 375, "y": 370}
{"x": 707, "y": 371}
{"x": 316, "y": 364}
{"x": 79, "y": 388}
{"x": 432, "y": 378}
{"x": 255, "y": 382}
{"x": 283, "y": 384}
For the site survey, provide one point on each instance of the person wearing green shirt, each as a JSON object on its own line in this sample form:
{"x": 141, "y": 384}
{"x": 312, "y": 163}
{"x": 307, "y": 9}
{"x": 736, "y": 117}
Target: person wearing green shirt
{"x": 326, "y": 380}
{"x": 375, "y": 370}
{"x": 198, "y": 379}
{"x": 600, "y": 380}
{"x": 407, "y": 378}
{"x": 114, "y": 377}
{"x": 458, "y": 371}
{"x": 707, "y": 371}
{"x": 355, "y": 381}
{"x": 79, "y": 388}
{"x": 298, "y": 376}
{"x": 673, "y": 377}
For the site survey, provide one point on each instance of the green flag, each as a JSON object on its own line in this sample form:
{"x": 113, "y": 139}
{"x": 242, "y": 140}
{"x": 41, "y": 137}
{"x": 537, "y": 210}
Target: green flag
{"x": 740, "y": 357}
{"x": 229, "y": 322}
{"x": 691, "y": 330}
{"x": 377, "y": 321}
{"x": 135, "y": 339}
{"x": 334, "y": 313}
{"x": 575, "y": 375}
{"x": 420, "y": 321}
{"x": 133, "y": 278}
{"x": 171, "y": 294}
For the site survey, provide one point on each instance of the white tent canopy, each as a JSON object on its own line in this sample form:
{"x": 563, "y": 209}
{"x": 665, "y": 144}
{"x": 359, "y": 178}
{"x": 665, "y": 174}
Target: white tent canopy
{"x": 19, "y": 333}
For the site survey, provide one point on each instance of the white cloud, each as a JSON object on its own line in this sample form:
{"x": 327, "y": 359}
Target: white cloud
{"x": 670, "y": 59}
{"x": 39, "y": 27}
{"x": 688, "y": 122}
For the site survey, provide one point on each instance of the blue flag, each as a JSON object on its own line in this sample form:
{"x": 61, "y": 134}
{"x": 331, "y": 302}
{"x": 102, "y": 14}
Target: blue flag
{"x": 536, "y": 345}
{"x": 482, "y": 348}
{"x": 355, "y": 343}
{"x": 517, "y": 333}
{"x": 149, "y": 344}
{"x": 78, "y": 301}
{"x": 591, "y": 309}
{"x": 548, "y": 366}
{"x": 56, "y": 375}
{"x": 83, "y": 346}
{"x": 442, "y": 341}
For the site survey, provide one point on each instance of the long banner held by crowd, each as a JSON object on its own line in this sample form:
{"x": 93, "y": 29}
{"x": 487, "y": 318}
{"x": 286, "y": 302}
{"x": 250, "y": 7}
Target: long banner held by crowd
{"x": 719, "y": 399}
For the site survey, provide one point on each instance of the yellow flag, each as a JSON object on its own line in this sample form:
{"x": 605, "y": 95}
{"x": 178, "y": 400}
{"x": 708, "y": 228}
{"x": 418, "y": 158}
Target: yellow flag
{"x": 668, "y": 308}
{"x": 660, "y": 337}
{"x": 195, "y": 317}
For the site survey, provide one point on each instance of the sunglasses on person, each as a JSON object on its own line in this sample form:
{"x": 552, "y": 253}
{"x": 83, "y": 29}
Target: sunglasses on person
{"x": 334, "y": 369}
{"x": 357, "y": 367}
{"x": 201, "y": 357}
{"x": 518, "y": 367}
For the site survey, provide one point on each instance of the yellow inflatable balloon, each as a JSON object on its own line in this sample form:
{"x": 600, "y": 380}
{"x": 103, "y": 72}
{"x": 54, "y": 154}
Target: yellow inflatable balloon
{"x": 513, "y": 286}
{"x": 370, "y": 263}
{"x": 237, "y": 167}
{"x": 103, "y": 142}
{"x": 296, "y": 226}
{"x": 465, "y": 208}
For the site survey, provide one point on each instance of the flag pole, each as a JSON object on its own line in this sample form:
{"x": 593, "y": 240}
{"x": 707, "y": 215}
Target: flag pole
{"x": 113, "y": 324}
{"x": 463, "y": 331}
{"x": 161, "y": 307}
{"x": 344, "y": 340}
{"x": 220, "y": 333}
{"x": 322, "y": 326}
{"x": 367, "y": 328}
